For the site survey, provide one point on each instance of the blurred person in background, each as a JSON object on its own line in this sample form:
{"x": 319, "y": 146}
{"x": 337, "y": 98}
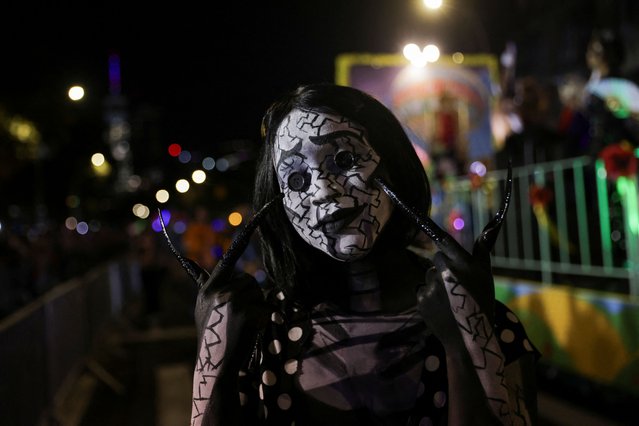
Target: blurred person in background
{"x": 611, "y": 101}
{"x": 573, "y": 124}
{"x": 535, "y": 140}
{"x": 611, "y": 108}
{"x": 199, "y": 239}
{"x": 153, "y": 273}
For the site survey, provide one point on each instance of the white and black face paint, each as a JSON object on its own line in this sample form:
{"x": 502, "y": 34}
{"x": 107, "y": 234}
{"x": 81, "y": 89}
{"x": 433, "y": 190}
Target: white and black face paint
{"x": 324, "y": 166}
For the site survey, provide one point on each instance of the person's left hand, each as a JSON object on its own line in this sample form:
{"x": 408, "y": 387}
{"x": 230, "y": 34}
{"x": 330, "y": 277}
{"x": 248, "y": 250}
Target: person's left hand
{"x": 466, "y": 275}
{"x": 467, "y": 278}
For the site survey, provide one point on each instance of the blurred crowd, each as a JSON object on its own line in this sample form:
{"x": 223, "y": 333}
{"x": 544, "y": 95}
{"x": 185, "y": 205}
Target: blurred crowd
{"x": 572, "y": 115}
{"x": 36, "y": 257}
{"x": 194, "y": 233}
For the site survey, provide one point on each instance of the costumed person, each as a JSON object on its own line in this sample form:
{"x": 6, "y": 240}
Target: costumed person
{"x": 200, "y": 239}
{"x": 611, "y": 101}
{"x": 352, "y": 326}
{"x": 611, "y": 108}
{"x": 447, "y": 154}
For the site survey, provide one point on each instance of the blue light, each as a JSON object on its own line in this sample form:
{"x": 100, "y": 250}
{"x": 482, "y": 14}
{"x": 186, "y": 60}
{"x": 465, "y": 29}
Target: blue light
{"x": 115, "y": 83}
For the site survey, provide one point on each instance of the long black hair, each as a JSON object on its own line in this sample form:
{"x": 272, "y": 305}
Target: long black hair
{"x": 292, "y": 264}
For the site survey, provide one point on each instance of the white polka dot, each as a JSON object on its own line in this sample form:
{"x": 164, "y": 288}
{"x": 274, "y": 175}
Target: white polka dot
{"x": 426, "y": 421}
{"x": 276, "y": 317}
{"x": 280, "y": 296}
{"x": 507, "y": 336}
{"x": 269, "y": 378}
{"x": 295, "y": 334}
{"x": 261, "y": 392}
{"x": 512, "y": 317}
{"x": 242, "y": 373}
{"x": 275, "y": 347}
{"x": 432, "y": 363}
{"x": 284, "y": 401}
{"x": 527, "y": 345}
{"x": 439, "y": 399}
{"x": 243, "y": 398}
{"x": 420, "y": 389}
{"x": 290, "y": 366}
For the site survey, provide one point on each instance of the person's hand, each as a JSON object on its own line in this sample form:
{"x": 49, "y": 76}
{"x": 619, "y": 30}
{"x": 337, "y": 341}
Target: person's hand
{"x": 451, "y": 286}
{"x": 463, "y": 274}
{"x": 434, "y": 307}
{"x": 459, "y": 275}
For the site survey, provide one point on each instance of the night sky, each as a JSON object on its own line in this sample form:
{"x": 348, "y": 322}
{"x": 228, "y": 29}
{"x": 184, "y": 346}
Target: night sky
{"x": 214, "y": 71}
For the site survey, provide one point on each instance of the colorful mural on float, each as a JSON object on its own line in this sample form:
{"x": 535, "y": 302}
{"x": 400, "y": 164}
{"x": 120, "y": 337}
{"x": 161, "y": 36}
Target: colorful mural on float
{"x": 593, "y": 334}
{"x": 444, "y": 105}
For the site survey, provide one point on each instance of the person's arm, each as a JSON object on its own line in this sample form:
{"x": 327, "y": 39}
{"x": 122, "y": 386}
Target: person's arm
{"x": 458, "y": 303}
{"x": 227, "y": 323}
{"x": 522, "y": 387}
{"x": 478, "y": 378}
{"x": 468, "y": 400}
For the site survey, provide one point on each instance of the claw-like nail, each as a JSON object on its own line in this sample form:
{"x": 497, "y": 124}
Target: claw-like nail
{"x": 424, "y": 222}
{"x": 491, "y": 230}
{"x": 194, "y": 270}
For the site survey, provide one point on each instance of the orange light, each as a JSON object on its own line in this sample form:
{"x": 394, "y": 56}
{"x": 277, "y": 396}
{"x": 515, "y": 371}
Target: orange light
{"x": 235, "y": 218}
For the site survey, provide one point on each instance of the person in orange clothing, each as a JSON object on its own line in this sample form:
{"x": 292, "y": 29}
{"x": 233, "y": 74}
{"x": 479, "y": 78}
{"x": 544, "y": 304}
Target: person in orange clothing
{"x": 199, "y": 239}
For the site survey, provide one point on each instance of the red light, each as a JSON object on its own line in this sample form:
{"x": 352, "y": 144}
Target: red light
{"x": 175, "y": 149}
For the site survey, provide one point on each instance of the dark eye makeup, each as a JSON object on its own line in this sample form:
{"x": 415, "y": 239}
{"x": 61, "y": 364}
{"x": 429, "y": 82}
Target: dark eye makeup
{"x": 298, "y": 181}
{"x": 345, "y": 160}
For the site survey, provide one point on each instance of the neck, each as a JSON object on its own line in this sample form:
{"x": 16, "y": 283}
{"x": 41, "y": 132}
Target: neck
{"x": 364, "y": 287}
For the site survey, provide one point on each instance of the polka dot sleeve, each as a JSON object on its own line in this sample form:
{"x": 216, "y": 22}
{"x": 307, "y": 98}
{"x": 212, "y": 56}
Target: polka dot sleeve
{"x": 512, "y": 337}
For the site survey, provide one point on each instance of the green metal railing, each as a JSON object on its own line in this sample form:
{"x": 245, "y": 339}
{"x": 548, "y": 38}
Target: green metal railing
{"x": 566, "y": 217}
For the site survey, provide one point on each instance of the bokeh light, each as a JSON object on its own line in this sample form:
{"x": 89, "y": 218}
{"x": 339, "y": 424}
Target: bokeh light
{"x": 156, "y": 225}
{"x": 97, "y": 159}
{"x": 208, "y": 163}
{"x": 82, "y": 228}
{"x": 433, "y": 4}
{"x": 76, "y": 93}
{"x": 182, "y": 185}
{"x": 70, "y": 223}
{"x": 141, "y": 211}
{"x": 222, "y": 164}
{"x": 184, "y": 157}
{"x": 478, "y": 168}
{"x": 235, "y": 219}
{"x": 162, "y": 196}
{"x": 175, "y": 149}
{"x": 198, "y": 176}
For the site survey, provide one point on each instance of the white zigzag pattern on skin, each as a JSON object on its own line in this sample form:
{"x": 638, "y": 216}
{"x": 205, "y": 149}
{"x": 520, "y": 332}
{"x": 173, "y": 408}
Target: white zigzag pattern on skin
{"x": 478, "y": 334}
{"x": 211, "y": 339}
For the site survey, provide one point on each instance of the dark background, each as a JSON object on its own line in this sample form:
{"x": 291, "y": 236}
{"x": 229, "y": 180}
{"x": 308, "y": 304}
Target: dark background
{"x": 202, "y": 75}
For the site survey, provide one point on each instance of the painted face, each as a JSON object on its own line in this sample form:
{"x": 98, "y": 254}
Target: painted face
{"x": 324, "y": 166}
